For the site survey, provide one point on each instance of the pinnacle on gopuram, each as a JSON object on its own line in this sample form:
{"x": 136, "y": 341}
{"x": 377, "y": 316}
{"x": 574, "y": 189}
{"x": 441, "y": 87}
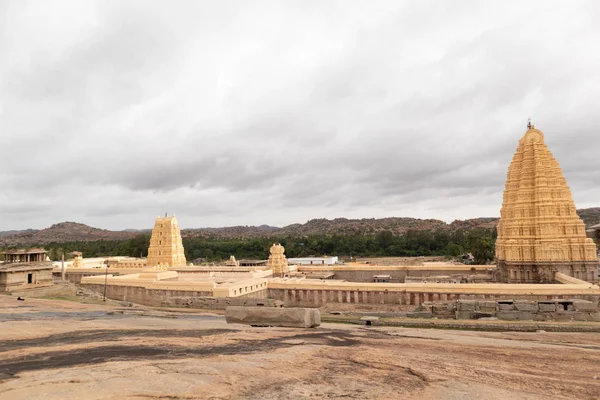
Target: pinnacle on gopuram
{"x": 277, "y": 261}
{"x": 539, "y": 232}
{"x": 166, "y": 249}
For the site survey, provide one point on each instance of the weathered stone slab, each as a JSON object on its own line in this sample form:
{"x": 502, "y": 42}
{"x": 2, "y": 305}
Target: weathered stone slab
{"x": 481, "y": 314}
{"x": 526, "y": 305}
{"x": 547, "y": 307}
{"x": 487, "y": 305}
{"x": 506, "y": 307}
{"x": 516, "y": 315}
{"x": 584, "y": 305}
{"x": 466, "y": 305}
{"x": 271, "y": 316}
{"x": 443, "y": 308}
{"x": 419, "y": 314}
{"x": 463, "y": 314}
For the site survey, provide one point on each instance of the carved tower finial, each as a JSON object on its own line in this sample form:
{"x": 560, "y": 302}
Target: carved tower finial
{"x": 529, "y": 125}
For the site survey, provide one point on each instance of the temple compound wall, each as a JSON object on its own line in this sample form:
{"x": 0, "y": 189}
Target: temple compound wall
{"x": 166, "y": 248}
{"x": 540, "y": 233}
{"x": 313, "y": 297}
{"x": 394, "y": 274}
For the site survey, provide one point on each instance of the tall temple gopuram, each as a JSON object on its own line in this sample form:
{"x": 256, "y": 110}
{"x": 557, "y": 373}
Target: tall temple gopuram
{"x": 166, "y": 248}
{"x": 539, "y": 232}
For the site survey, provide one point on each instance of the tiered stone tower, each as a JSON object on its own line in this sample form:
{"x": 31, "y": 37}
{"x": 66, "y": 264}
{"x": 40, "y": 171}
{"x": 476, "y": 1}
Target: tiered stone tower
{"x": 539, "y": 232}
{"x": 166, "y": 249}
{"x": 277, "y": 261}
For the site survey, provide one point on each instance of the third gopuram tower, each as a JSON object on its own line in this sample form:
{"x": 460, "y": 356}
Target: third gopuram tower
{"x": 539, "y": 232}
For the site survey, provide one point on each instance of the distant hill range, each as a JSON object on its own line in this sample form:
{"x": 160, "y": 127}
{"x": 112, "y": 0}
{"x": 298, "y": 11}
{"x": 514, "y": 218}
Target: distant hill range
{"x": 73, "y": 231}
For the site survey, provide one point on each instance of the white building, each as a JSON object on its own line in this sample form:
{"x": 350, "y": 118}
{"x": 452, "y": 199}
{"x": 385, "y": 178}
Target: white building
{"x": 313, "y": 261}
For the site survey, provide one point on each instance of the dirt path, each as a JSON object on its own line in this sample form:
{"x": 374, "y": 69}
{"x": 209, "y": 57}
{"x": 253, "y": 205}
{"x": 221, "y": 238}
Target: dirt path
{"x": 64, "y": 350}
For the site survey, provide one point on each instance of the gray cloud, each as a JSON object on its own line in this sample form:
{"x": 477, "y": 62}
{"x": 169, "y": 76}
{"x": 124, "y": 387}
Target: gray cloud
{"x": 114, "y": 112}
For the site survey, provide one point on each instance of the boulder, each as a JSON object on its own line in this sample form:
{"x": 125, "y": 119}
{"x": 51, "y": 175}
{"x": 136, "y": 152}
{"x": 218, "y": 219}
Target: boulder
{"x": 272, "y": 316}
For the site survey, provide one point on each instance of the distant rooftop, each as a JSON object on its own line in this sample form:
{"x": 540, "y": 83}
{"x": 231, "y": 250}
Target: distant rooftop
{"x": 24, "y": 251}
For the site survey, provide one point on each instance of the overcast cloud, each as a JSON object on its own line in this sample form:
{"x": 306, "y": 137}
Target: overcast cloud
{"x": 276, "y": 112}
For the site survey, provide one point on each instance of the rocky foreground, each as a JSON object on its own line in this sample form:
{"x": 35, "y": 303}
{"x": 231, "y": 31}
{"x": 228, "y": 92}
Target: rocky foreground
{"x": 55, "y": 349}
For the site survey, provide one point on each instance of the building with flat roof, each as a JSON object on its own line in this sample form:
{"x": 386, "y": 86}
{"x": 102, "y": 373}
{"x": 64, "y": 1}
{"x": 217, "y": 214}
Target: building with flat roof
{"x": 313, "y": 261}
{"x": 24, "y": 256}
{"x": 25, "y": 269}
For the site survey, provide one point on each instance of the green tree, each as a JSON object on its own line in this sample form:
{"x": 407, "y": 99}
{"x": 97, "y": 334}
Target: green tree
{"x": 455, "y": 250}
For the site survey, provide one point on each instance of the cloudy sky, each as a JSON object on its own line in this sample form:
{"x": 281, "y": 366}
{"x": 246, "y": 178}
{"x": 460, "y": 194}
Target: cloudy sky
{"x": 276, "y": 112}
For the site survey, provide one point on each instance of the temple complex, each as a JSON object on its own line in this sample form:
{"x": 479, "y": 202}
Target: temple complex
{"x": 166, "y": 248}
{"x": 277, "y": 261}
{"x": 540, "y": 233}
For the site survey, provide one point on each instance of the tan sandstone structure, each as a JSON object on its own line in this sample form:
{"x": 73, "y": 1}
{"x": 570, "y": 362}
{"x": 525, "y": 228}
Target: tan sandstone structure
{"x": 540, "y": 233}
{"x": 166, "y": 249}
{"x": 232, "y": 262}
{"x": 77, "y": 259}
{"x": 277, "y": 261}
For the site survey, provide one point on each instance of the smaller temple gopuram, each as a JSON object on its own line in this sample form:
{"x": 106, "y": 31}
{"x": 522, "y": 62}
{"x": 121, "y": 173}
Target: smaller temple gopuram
{"x": 166, "y": 249}
{"x": 277, "y": 261}
{"x": 232, "y": 262}
{"x": 540, "y": 233}
{"x": 77, "y": 259}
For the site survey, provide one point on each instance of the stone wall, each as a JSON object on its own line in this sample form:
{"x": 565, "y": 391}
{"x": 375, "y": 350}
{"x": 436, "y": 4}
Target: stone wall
{"x": 220, "y": 303}
{"x": 158, "y": 297}
{"x": 396, "y": 275}
{"x": 320, "y": 297}
{"x": 514, "y": 310}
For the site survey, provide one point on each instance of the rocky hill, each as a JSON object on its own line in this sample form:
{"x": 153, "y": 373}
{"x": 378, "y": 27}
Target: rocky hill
{"x": 72, "y": 231}
{"x": 62, "y": 232}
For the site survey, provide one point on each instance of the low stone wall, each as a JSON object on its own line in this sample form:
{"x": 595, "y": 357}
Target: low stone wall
{"x": 158, "y": 297}
{"x": 320, "y": 297}
{"x": 220, "y": 303}
{"x": 74, "y": 275}
{"x": 513, "y": 310}
{"x": 59, "y": 289}
{"x": 398, "y": 274}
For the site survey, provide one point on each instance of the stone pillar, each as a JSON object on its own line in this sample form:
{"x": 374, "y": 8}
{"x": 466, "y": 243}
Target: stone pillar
{"x": 62, "y": 267}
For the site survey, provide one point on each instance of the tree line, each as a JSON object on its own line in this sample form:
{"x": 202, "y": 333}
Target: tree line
{"x": 479, "y": 242}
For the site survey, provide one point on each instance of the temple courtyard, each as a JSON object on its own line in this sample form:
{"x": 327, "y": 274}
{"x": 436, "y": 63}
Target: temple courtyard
{"x": 59, "y": 349}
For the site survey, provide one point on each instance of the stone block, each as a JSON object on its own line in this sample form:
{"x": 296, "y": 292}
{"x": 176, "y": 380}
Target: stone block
{"x": 516, "y": 315}
{"x": 547, "y": 307}
{"x": 564, "y": 316}
{"x": 466, "y": 305}
{"x": 584, "y": 305}
{"x": 419, "y": 314}
{"x": 272, "y": 316}
{"x": 487, "y": 305}
{"x": 583, "y": 316}
{"x": 443, "y": 309}
{"x": 482, "y": 314}
{"x": 526, "y": 305}
{"x": 487, "y": 310}
{"x": 463, "y": 314}
{"x": 506, "y": 306}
